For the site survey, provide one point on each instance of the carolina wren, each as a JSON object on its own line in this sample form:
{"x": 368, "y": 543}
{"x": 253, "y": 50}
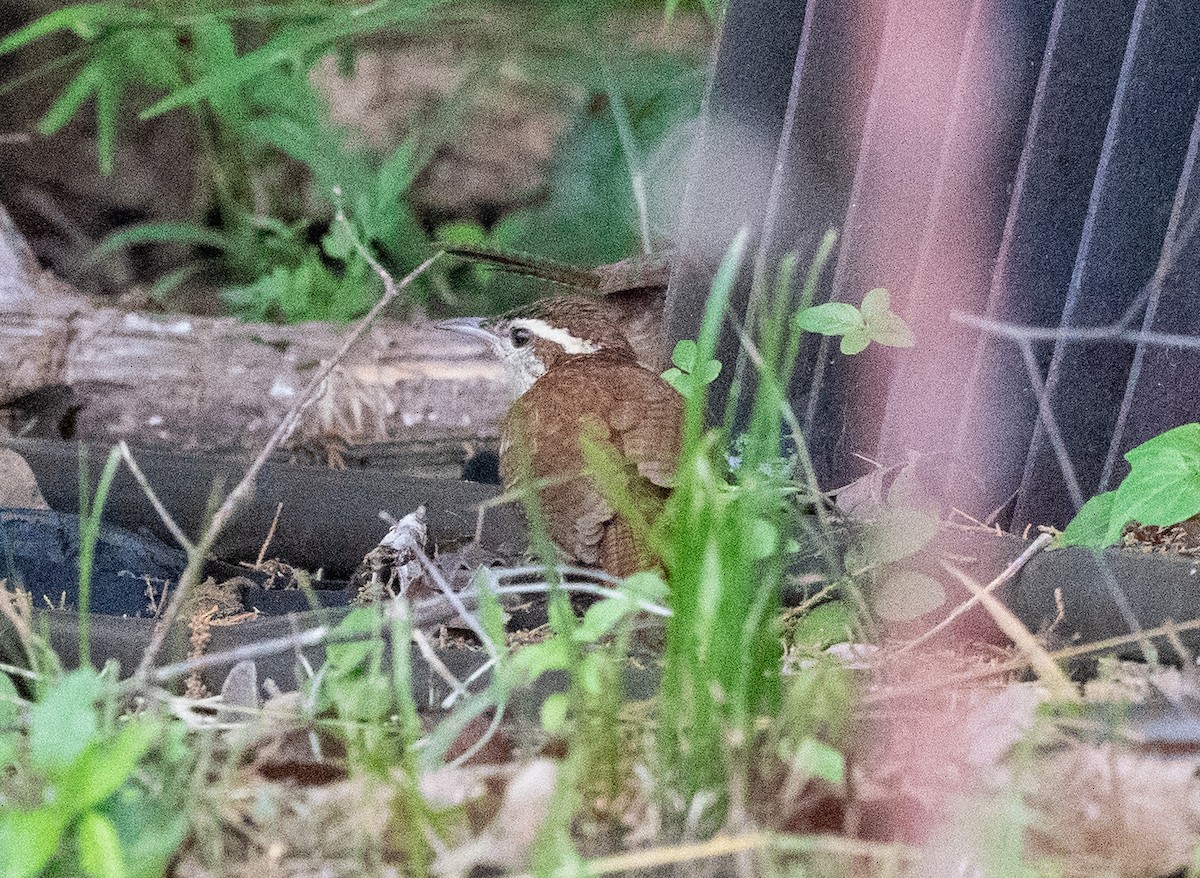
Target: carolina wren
{"x": 633, "y": 292}
{"x": 575, "y": 374}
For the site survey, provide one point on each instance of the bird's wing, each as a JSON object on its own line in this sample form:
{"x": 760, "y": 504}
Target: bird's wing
{"x": 646, "y": 421}
{"x": 543, "y": 444}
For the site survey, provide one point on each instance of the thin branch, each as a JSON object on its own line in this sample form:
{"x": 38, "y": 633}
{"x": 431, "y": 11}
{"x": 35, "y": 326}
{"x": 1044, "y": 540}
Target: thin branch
{"x": 1005, "y": 575}
{"x": 1040, "y": 660}
{"x": 1115, "y": 333}
{"x": 140, "y": 477}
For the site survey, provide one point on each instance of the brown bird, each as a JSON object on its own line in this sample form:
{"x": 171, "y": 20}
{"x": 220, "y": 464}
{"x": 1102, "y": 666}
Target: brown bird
{"x": 633, "y": 292}
{"x": 575, "y": 374}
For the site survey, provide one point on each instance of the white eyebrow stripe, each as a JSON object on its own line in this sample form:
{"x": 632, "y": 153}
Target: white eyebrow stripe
{"x": 569, "y": 343}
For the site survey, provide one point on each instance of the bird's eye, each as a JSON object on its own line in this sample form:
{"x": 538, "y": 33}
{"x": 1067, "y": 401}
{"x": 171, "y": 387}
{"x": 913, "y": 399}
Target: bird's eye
{"x": 520, "y": 336}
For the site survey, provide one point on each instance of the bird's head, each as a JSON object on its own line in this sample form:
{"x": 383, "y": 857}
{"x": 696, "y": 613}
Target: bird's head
{"x": 532, "y": 340}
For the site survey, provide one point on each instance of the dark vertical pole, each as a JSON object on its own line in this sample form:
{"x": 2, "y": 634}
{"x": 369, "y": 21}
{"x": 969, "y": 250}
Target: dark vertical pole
{"x": 1136, "y": 176}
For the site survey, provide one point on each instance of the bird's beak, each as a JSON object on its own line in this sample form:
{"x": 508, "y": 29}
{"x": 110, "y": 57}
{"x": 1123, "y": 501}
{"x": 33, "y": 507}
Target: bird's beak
{"x": 465, "y": 325}
{"x": 468, "y": 326}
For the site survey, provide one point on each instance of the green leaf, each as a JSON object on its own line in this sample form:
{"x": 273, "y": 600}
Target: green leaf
{"x": 351, "y": 655}
{"x": 854, "y": 342}
{"x": 891, "y": 330}
{"x": 82, "y": 18}
{"x": 1163, "y": 485}
{"x": 602, "y": 617}
{"x": 100, "y": 851}
{"x": 812, "y": 758}
{"x": 461, "y": 233}
{"x": 366, "y": 698}
{"x": 287, "y": 46}
{"x": 709, "y": 371}
{"x": 906, "y": 595}
{"x": 63, "y": 722}
{"x": 396, "y": 175}
{"x": 898, "y": 533}
{"x": 1091, "y": 525}
{"x": 832, "y": 318}
{"x": 875, "y": 304}
{"x": 339, "y": 241}
{"x": 489, "y": 612}
{"x": 153, "y": 54}
{"x": 646, "y": 585}
{"x": 762, "y": 538}
{"x": 554, "y": 713}
{"x": 684, "y": 355}
{"x": 104, "y": 767}
{"x": 172, "y": 280}
{"x": 1184, "y": 439}
{"x": 681, "y": 381}
{"x": 823, "y": 626}
{"x": 72, "y": 98}
{"x": 166, "y": 232}
{"x": 531, "y": 661}
{"x": 28, "y": 839}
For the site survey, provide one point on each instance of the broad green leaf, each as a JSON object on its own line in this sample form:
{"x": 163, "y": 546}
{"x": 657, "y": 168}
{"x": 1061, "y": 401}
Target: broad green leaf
{"x": 899, "y": 533}
{"x": 461, "y": 233}
{"x": 876, "y": 304}
{"x": 28, "y": 839}
{"x": 890, "y": 330}
{"x": 762, "y": 538}
{"x": 906, "y": 595}
{"x": 345, "y": 657}
{"x": 150, "y": 825}
{"x": 823, "y": 626}
{"x": 709, "y": 371}
{"x": 601, "y": 618}
{"x": 531, "y": 661}
{"x": 1162, "y": 488}
{"x": 104, "y": 767}
{"x": 854, "y": 342}
{"x": 684, "y": 355}
{"x": 364, "y": 698}
{"x": 681, "y": 381}
{"x": 339, "y": 242}
{"x": 832, "y": 318}
{"x": 100, "y": 851}
{"x": 1091, "y": 525}
{"x": 554, "y": 713}
{"x": 63, "y": 722}
{"x": 646, "y": 585}
{"x": 812, "y": 758}
{"x": 1184, "y": 439}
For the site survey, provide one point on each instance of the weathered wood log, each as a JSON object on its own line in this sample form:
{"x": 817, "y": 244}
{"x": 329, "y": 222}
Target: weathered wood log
{"x": 222, "y": 384}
